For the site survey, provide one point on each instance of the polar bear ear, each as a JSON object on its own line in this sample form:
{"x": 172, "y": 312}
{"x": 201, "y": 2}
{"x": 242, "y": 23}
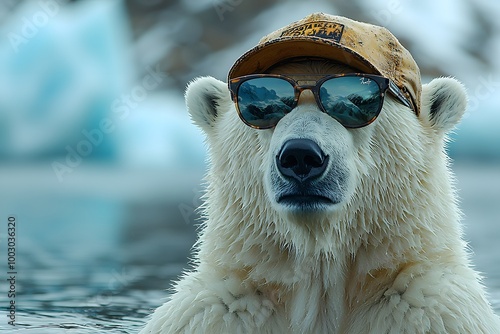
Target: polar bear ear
{"x": 444, "y": 101}
{"x": 205, "y": 98}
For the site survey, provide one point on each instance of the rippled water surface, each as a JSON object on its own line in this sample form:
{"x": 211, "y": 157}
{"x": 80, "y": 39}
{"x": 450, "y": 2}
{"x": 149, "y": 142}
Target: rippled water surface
{"x": 90, "y": 264}
{"x": 87, "y": 300}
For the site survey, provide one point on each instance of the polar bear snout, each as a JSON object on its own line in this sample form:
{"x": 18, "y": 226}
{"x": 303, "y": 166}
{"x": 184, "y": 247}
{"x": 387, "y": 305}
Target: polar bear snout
{"x": 301, "y": 159}
{"x": 305, "y": 179}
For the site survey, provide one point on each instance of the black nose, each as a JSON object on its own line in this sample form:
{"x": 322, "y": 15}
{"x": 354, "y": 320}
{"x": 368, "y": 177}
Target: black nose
{"x": 301, "y": 159}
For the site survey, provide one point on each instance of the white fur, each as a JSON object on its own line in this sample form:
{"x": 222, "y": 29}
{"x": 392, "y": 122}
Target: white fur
{"x": 388, "y": 259}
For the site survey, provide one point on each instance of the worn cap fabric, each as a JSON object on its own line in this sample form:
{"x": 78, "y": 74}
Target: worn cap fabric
{"x": 365, "y": 47}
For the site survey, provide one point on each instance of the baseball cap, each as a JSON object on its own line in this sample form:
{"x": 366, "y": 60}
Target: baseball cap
{"x": 365, "y": 47}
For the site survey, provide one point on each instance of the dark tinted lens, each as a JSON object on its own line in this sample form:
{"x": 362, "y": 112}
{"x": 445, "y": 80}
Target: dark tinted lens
{"x": 262, "y": 102}
{"x": 352, "y": 100}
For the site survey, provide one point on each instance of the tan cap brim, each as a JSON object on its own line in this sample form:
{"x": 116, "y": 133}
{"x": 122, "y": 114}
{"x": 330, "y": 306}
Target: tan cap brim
{"x": 262, "y": 57}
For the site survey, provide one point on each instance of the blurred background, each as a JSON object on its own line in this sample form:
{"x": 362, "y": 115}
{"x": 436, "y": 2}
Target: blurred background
{"x": 102, "y": 169}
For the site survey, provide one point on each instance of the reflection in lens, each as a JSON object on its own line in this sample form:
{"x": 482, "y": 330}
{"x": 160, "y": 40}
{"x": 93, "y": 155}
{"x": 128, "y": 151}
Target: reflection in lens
{"x": 352, "y": 100}
{"x": 264, "y": 101}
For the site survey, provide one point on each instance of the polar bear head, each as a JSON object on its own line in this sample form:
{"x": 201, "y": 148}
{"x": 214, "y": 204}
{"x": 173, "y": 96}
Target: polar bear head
{"x": 322, "y": 174}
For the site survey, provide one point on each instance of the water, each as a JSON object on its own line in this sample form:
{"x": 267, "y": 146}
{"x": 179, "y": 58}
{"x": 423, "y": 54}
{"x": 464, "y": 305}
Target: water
{"x": 99, "y": 258}
{"x": 95, "y": 253}
{"x": 103, "y": 302}
{"x": 104, "y": 298}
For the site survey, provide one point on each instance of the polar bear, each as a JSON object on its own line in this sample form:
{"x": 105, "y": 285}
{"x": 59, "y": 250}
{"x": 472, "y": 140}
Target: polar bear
{"x": 330, "y": 205}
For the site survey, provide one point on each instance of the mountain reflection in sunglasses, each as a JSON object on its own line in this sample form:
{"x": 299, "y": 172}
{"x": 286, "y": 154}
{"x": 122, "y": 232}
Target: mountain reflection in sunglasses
{"x": 353, "y": 99}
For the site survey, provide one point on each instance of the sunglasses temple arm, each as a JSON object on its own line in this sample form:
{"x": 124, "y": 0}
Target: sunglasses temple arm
{"x": 394, "y": 89}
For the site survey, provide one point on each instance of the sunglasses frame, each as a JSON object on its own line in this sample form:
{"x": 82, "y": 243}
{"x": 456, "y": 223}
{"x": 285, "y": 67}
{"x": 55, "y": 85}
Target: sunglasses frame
{"x": 383, "y": 83}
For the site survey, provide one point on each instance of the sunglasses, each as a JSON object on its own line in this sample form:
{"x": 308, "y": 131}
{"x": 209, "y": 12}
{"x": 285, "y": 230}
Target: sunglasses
{"x": 353, "y": 99}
